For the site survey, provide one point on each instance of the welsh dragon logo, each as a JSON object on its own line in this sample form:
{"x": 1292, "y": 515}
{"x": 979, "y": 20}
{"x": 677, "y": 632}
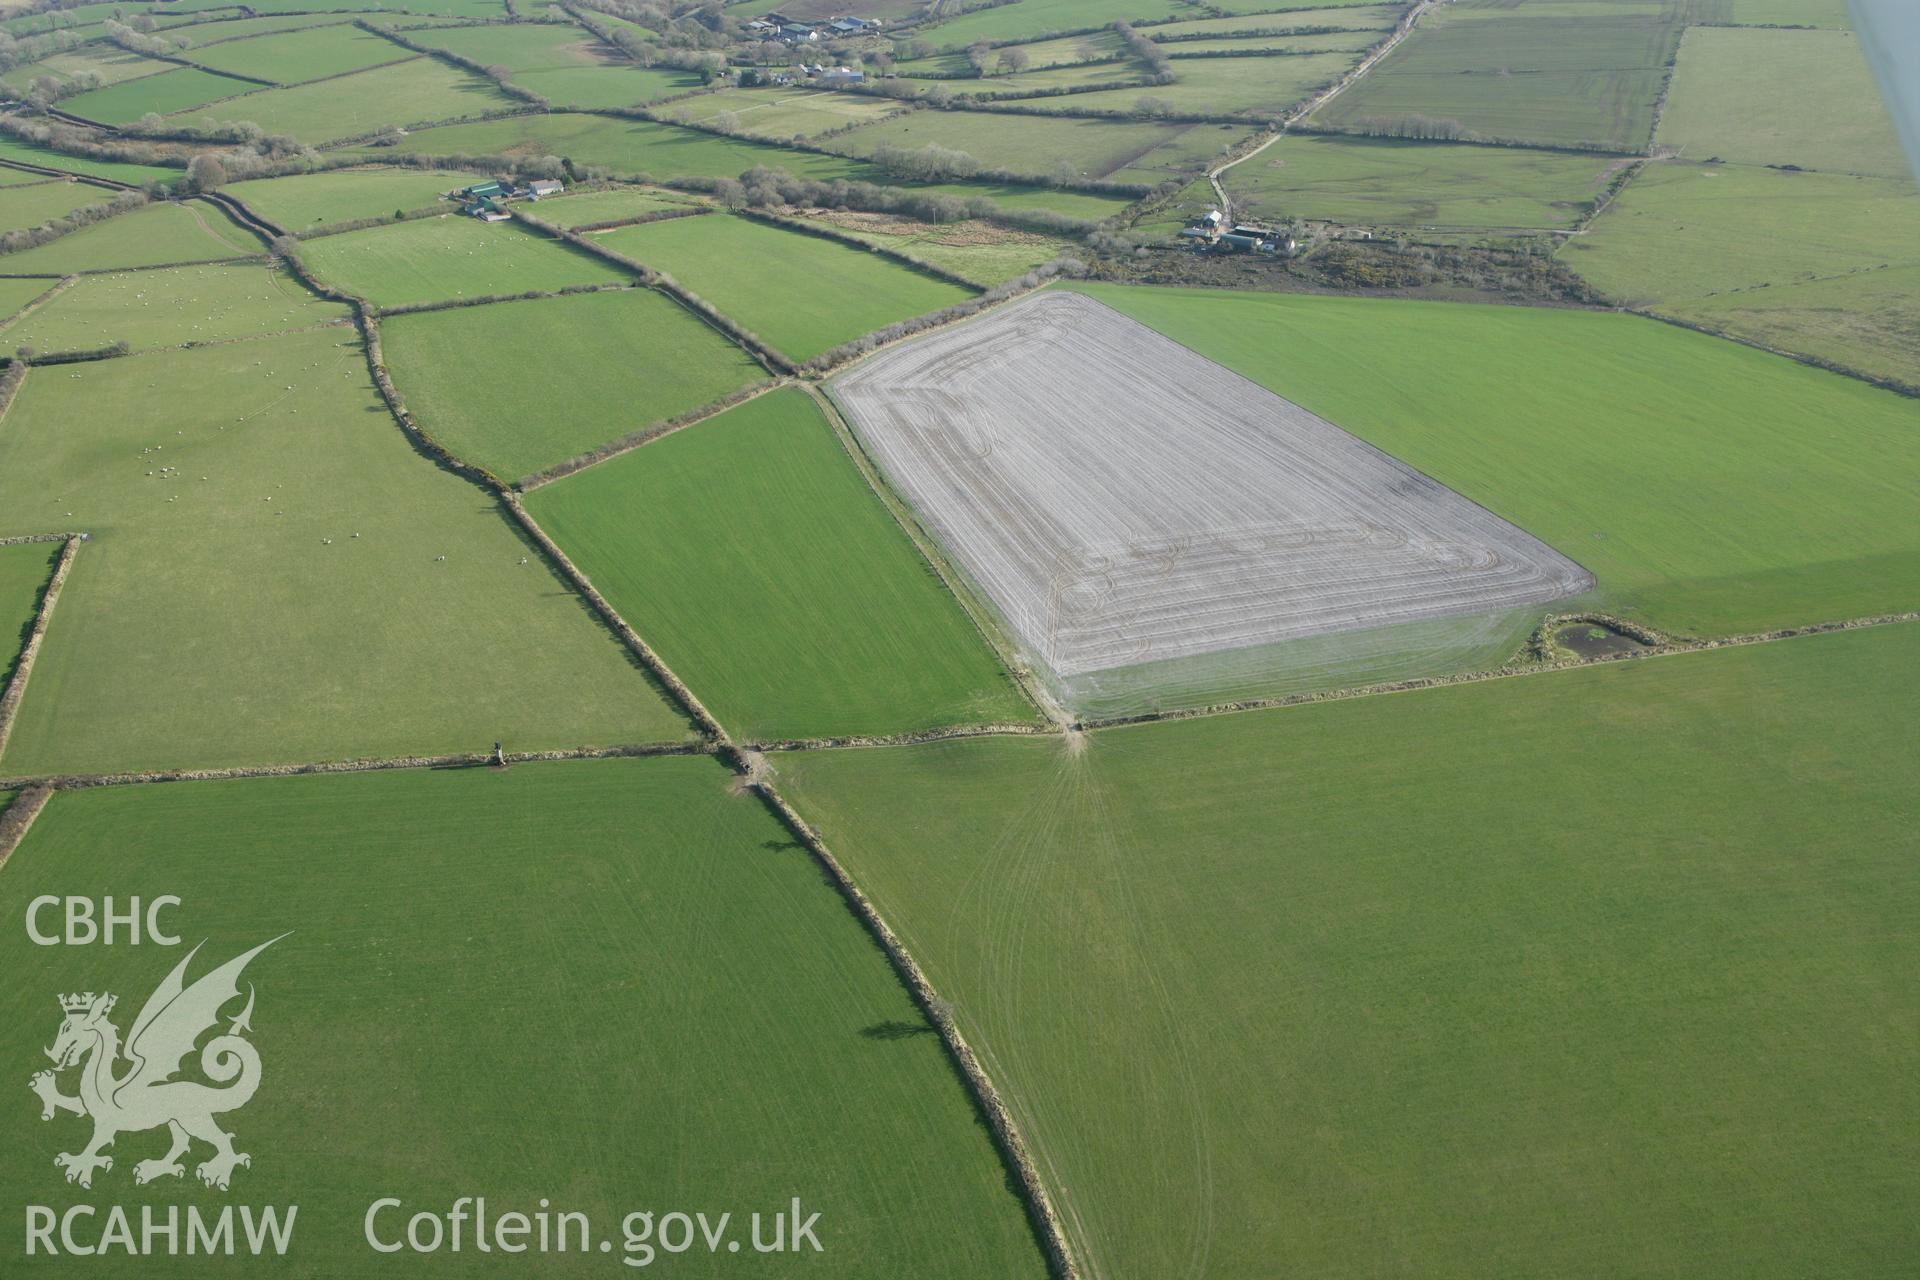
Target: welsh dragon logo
{"x": 146, "y": 1094}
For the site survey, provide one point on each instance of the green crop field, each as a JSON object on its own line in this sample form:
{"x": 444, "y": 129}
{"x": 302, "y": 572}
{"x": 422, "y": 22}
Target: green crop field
{"x": 607, "y": 206}
{"x": 1711, "y": 489}
{"x": 782, "y": 113}
{"x": 22, "y": 207}
{"x": 1262, "y": 87}
{"x": 582, "y": 371}
{"x": 1018, "y": 143}
{"x": 1605, "y": 977}
{"x": 172, "y": 306}
{"x": 403, "y": 94}
{"x": 440, "y": 259}
{"x": 18, "y": 152}
{"x": 1377, "y": 17}
{"x": 300, "y": 55}
{"x": 1793, "y": 13}
{"x": 1810, "y": 262}
{"x": 25, "y": 568}
{"x": 151, "y": 236}
{"x": 802, "y": 294}
{"x": 170, "y": 91}
{"x": 309, "y": 200}
{"x": 247, "y": 597}
{"x": 802, "y": 610}
{"x": 1540, "y": 78}
{"x": 1029, "y": 18}
{"x": 1729, "y": 86}
{"x": 686, "y": 1008}
{"x": 1394, "y": 182}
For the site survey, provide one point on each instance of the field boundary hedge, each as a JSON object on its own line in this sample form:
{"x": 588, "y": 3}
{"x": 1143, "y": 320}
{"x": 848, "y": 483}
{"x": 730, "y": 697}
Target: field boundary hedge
{"x": 1041, "y": 1214}
{"x": 365, "y": 764}
{"x": 826, "y": 231}
{"x": 36, "y": 632}
{"x": 654, "y": 664}
{"x": 1668, "y": 648}
{"x": 646, "y": 435}
{"x": 488, "y": 299}
{"x": 1895, "y": 385}
{"x": 847, "y": 352}
{"x": 658, "y": 215}
{"x": 18, "y": 819}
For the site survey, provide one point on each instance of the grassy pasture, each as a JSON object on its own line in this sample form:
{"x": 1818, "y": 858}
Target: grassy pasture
{"x": 306, "y": 201}
{"x": 1073, "y": 76}
{"x": 1377, "y": 17}
{"x": 1255, "y": 46}
{"x": 1220, "y": 86}
{"x": 438, "y": 259}
{"x": 402, "y": 94}
{"x": 19, "y": 152}
{"x": 294, "y": 56}
{"x": 217, "y": 29}
{"x": 629, "y": 148}
{"x": 169, "y": 92}
{"x": 25, "y": 569}
{"x": 1186, "y": 153}
{"x": 110, "y": 62}
{"x": 1395, "y": 182}
{"x": 1817, "y": 263}
{"x": 1028, "y": 18}
{"x": 1785, "y": 13}
{"x": 802, "y": 294}
{"x": 702, "y": 1019}
{"x": 1729, "y": 86}
{"x": 29, "y": 206}
{"x": 517, "y": 48}
{"x": 1018, "y": 143}
{"x": 751, "y": 552}
{"x": 1526, "y": 78}
{"x": 171, "y": 306}
{"x": 978, "y": 251}
{"x": 210, "y": 623}
{"x": 16, "y": 294}
{"x": 604, "y": 206}
{"x": 1586, "y": 992}
{"x": 520, "y": 386}
{"x": 159, "y": 233}
{"x": 1712, "y": 489}
{"x": 784, "y": 113}
{"x": 599, "y": 87}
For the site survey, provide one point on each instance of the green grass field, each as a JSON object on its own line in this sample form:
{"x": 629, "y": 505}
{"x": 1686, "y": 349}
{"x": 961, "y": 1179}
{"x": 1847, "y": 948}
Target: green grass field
{"x": 179, "y": 90}
{"x": 1047, "y": 79}
{"x": 1542, "y": 78}
{"x": 605, "y": 206}
{"x": 438, "y": 259}
{"x": 783, "y": 113}
{"x": 1605, "y": 977}
{"x": 1260, "y": 87}
{"x": 803, "y": 294}
{"x": 403, "y": 94}
{"x": 22, "y": 207}
{"x": 25, "y": 568}
{"x": 1318, "y": 42}
{"x": 565, "y": 64}
{"x": 208, "y": 31}
{"x": 307, "y": 201}
{"x": 978, "y": 251}
{"x": 157, "y": 234}
{"x": 1818, "y": 263}
{"x": 751, "y": 553}
{"x": 19, "y": 152}
{"x": 583, "y": 370}
{"x": 110, "y": 62}
{"x": 172, "y": 306}
{"x": 601, "y": 87}
{"x": 1028, "y": 18}
{"x": 1376, "y": 17}
{"x": 1729, "y": 86}
{"x": 1711, "y": 489}
{"x": 676, "y": 1012}
{"x": 295, "y": 56}
{"x": 1386, "y": 181}
{"x": 628, "y": 148}
{"x": 212, "y": 622}
{"x": 1018, "y": 143}
{"x": 16, "y": 294}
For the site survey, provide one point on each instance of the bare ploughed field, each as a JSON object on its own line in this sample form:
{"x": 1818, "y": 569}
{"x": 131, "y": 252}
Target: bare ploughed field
{"x": 1122, "y": 499}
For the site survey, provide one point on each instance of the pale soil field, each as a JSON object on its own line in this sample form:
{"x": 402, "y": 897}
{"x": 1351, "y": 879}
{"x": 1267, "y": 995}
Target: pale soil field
{"x": 1121, "y": 499}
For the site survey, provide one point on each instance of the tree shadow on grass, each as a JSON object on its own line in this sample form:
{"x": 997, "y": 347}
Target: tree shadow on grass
{"x": 896, "y": 1030}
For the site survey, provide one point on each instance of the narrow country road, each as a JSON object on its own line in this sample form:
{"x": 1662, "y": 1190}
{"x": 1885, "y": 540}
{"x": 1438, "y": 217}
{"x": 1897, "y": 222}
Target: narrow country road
{"x": 1314, "y": 103}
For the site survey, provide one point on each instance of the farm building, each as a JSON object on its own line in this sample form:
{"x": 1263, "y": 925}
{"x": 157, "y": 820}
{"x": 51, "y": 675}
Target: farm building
{"x": 545, "y": 187}
{"x": 485, "y": 191}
